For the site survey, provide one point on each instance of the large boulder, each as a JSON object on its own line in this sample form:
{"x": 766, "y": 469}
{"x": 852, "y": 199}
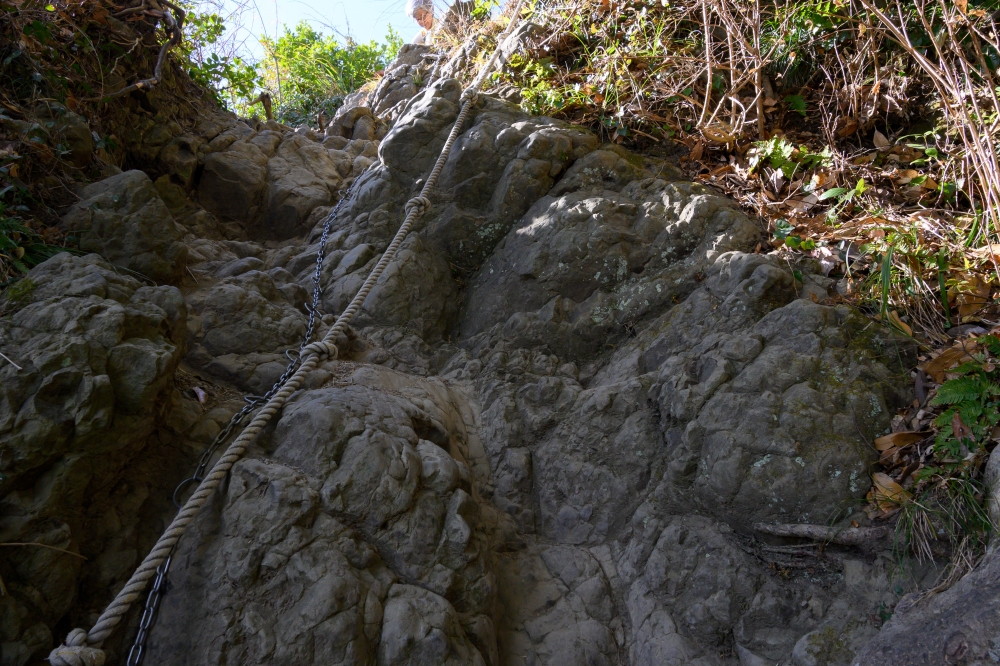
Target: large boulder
{"x": 959, "y": 626}
{"x": 549, "y": 438}
{"x": 97, "y": 351}
{"x": 302, "y": 175}
{"x": 270, "y": 182}
{"x": 599, "y": 390}
{"x": 124, "y": 220}
{"x": 233, "y": 180}
{"x": 364, "y": 521}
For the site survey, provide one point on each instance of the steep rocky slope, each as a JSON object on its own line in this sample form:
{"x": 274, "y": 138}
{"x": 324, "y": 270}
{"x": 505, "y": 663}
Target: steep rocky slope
{"x": 548, "y": 440}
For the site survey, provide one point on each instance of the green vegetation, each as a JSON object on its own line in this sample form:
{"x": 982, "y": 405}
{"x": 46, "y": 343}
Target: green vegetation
{"x": 879, "y": 124}
{"x": 305, "y": 71}
{"x": 308, "y": 73}
{"x": 21, "y": 248}
{"x": 971, "y": 404}
{"x": 230, "y": 79}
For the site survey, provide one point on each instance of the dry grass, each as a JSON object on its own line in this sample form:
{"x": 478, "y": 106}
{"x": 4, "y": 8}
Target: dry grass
{"x": 871, "y": 146}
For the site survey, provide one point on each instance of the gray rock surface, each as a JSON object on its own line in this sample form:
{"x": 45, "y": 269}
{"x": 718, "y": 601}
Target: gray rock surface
{"x": 79, "y": 447}
{"x": 124, "y": 220}
{"x": 547, "y": 439}
{"x": 958, "y": 626}
{"x": 270, "y": 181}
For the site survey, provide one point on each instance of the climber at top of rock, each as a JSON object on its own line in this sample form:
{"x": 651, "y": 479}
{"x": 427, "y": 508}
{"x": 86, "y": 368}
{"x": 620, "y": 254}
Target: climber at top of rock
{"x": 422, "y": 11}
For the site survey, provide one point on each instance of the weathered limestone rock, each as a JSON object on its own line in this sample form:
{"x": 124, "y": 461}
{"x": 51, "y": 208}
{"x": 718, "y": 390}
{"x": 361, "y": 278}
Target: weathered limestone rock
{"x": 958, "y": 626}
{"x": 373, "y": 534}
{"x": 124, "y": 220}
{"x": 270, "y": 181}
{"x": 302, "y": 175}
{"x": 595, "y": 377}
{"x": 98, "y": 352}
{"x": 233, "y": 180}
{"x": 546, "y": 440}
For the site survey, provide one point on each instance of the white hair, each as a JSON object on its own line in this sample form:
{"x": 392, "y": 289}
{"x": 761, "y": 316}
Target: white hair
{"x": 413, "y": 5}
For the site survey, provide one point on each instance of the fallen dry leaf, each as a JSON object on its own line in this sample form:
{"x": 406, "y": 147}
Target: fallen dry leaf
{"x": 906, "y": 175}
{"x": 899, "y": 323}
{"x": 948, "y": 359}
{"x": 899, "y": 439}
{"x": 974, "y": 295}
{"x": 988, "y": 251}
{"x": 846, "y": 127}
{"x": 886, "y": 493}
{"x": 696, "y": 151}
{"x": 887, "y": 456}
{"x": 959, "y": 429}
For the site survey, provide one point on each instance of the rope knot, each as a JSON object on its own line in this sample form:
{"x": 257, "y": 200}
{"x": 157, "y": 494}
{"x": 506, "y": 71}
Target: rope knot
{"x": 321, "y": 349}
{"x": 470, "y": 94}
{"x": 76, "y": 652}
{"x": 417, "y": 205}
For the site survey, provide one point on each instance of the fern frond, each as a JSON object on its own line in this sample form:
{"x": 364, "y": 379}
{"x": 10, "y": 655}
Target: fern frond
{"x": 960, "y": 390}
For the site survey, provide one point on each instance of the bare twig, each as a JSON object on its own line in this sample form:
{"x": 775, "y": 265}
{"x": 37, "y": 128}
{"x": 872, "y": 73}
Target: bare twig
{"x": 42, "y": 545}
{"x": 10, "y": 361}
{"x": 708, "y": 62}
{"x": 850, "y": 536}
{"x": 174, "y": 20}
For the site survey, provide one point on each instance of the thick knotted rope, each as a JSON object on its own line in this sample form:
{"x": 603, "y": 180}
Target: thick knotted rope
{"x": 76, "y": 652}
{"x": 82, "y": 648}
{"x": 419, "y": 204}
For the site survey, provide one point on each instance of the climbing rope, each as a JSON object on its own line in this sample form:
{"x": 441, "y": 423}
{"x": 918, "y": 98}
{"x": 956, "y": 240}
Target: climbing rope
{"x": 82, "y": 647}
{"x": 149, "y": 613}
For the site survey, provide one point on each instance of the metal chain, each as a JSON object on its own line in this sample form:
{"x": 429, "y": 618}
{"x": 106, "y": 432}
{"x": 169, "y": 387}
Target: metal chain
{"x": 138, "y": 650}
{"x": 149, "y": 613}
{"x": 83, "y": 646}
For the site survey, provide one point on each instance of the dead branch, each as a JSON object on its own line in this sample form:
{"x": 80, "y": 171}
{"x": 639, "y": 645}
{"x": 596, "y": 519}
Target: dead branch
{"x": 174, "y": 20}
{"x": 850, "y": 536}
{"x": 42, "y": 545}
{"x": 264, "y": 98}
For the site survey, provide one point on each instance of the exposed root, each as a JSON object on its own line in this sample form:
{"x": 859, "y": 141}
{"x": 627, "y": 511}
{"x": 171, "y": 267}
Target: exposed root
{"x": 174, "y": 28}
{"x": 865, "y": 537}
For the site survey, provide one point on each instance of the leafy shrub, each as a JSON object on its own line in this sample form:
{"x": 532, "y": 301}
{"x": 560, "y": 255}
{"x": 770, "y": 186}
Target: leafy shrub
{"x": 231, "y": 80}
{"x": 972, "y": 403}
{"x": 308, "y": 72}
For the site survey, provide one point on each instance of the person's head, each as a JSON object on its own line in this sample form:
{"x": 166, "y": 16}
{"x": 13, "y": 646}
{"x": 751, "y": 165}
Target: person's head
{"x": 421, "y": 11}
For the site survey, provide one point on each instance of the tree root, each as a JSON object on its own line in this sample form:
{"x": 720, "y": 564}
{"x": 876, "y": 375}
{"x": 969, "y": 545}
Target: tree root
{"x": 850, "y": 536}
{"x": 174, "y": 24}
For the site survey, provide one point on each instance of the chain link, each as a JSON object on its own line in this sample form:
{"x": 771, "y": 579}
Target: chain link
{"x": 138, "y": 650}
{"x": 156, "y": 592}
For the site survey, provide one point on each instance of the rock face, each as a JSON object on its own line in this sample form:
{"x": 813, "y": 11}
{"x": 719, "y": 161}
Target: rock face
{"x": 547, "y": 440}
{"x": 98, "y": 352}
{"x": 124, "y": 219}
{"x": 273, "y": 179}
